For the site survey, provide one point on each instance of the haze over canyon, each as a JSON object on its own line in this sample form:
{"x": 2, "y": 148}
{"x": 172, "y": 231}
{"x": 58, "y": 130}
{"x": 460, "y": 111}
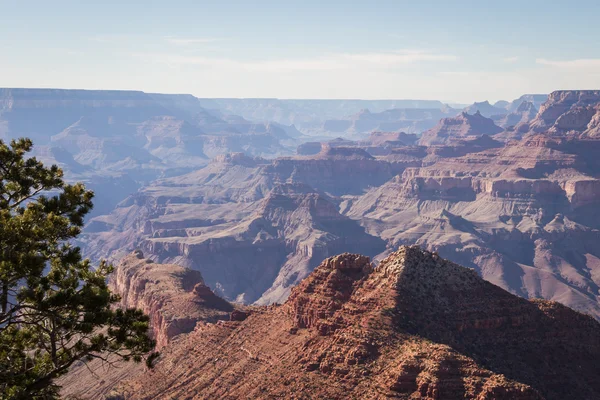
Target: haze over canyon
{"x": 220, "y": 213}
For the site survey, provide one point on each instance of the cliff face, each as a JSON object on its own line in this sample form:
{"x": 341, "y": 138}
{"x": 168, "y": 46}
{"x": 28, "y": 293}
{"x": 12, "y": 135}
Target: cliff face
{"x": 175, "y": 298}
{"x": 520, "y": 214}
{"x": 267, "y": 252}
{"x": 561, "y": 102}
{"x": 416, "y": 327}
{"x": 177, "y": 302}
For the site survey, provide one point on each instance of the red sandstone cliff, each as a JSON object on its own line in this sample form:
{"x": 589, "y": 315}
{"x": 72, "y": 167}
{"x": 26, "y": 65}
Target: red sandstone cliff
{"x": 174, "y": 297}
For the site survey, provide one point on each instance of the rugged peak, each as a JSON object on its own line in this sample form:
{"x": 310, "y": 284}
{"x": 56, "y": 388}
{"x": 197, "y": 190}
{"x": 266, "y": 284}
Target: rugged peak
{"x": 465, "y": 124}
{"x": 418, "y": 293}
{"x": 485, "y": 108}
{"x": 416, "y": 326}
{"x": 409, "y": 272}
{"x": 328, "y": 287}
{"x": 354, "y": 264}
{"x": 559, "y": 103}
{"x": 412, "y": 267}
{"x": 502, "y": 104}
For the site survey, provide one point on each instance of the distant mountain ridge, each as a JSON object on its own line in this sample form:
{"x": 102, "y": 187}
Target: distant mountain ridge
{"x": 298, "y": 111}
{"x": 120, "y": 137}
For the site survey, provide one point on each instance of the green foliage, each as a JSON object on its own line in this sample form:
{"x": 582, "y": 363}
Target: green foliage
{"x": 55, "y": 309}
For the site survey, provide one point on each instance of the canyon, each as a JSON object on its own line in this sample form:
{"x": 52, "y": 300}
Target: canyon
{"x": 219, "y": 223}
{"x": 515, "y": 204}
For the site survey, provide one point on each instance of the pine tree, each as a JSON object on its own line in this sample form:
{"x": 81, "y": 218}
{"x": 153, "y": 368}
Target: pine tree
{"x": 55, "y": 309}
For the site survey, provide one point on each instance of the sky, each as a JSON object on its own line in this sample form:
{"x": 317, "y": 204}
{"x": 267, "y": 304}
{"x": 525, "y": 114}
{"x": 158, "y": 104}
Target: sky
{"x": 454, "y": 51}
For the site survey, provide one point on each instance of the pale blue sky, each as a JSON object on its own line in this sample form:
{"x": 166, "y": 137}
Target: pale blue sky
{"x": 452, "y": 51}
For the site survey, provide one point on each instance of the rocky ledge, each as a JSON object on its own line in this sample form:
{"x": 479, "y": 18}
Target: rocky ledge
{"x": 175, "y": 298}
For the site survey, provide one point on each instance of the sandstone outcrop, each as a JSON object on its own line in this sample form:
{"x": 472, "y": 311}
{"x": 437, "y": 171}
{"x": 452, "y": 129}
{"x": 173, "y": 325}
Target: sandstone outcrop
{"x": 176, "y": 300}
{"x": 174, "y": 297}
{"x": 561, "y": 102}
{"x": 416, "y": 326}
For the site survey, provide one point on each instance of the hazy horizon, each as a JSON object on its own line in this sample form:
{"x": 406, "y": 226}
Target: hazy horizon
{"x": 445, "y": 101}
{"x": 456, "y": 53}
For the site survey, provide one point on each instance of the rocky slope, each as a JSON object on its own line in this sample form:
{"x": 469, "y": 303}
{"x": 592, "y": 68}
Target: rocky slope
{"x": 176, "y": 300}
{"x": 415, "y": 327}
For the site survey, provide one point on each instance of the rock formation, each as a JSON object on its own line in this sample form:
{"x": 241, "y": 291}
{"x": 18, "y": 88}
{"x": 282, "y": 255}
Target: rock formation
{"x": 412, "y": 120}
{"x": 519, "y": 214}
{"x": 377, "y": 144}
{"x": 562, "y": 102}
{"x": 517, "y": 206}
{"x": 174, "y": 297}
{"x": 416, "y": 326}
{"x": 449, "y": 129}
{"x": 521, "y": 116}
{"x": 536, "y": 99}
{"x": 266, "y": 224}
{"x": 485, "y": 109}
{"x": 176, "y": 300}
